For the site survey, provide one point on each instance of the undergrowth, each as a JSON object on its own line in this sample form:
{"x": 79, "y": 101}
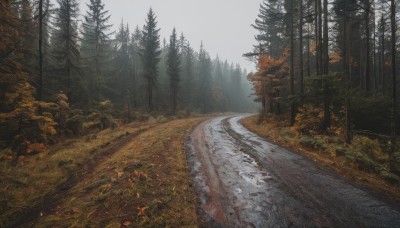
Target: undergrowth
{"x": 365, "y": 160}
{"x": 25, "y": 180}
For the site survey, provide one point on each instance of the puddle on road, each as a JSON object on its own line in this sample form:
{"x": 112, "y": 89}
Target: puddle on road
{"x": 244, "y": 181}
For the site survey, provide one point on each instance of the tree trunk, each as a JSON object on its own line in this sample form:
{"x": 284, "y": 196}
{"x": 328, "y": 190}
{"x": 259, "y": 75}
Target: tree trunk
{"x": 292, "y": 104}
{"x": 67, "y": 47}
{"x": 150, "y": 93}
{"x": 394, "y": 81}
{"x": 325, "y": 70}
{"x": 301, "y": 51}
{"x": 317, "y": 65}
{"x": 346, "y": 64}
{"x": 383, "y": 54}
{"x": 308, "y": 52}
{"x": 319, "y": 47}
{"x": 40, "y": 92}
{"x": 374, "y": 60}
{"x": 367, "y": 44}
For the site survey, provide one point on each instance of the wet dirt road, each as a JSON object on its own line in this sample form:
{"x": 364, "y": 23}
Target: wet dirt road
{"x": 245, "y": 181}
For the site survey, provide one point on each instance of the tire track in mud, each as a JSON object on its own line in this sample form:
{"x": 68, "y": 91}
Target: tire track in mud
{"x": 268, "y": 186}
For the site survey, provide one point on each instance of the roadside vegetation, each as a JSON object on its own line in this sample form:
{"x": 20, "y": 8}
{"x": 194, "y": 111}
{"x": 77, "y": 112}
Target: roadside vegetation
{"x": 134, "y": 174}
{"x": 365, "y": 160}
{"x": 327, "y": 82}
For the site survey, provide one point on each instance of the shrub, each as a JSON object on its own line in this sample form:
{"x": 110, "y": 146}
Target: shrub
{"x": 314, "y": 143}
{"x": 309, "y": 119}
{"x": 370, "y": 112}
{"x": 369, "y": 147}
{"x": 74, "y": 124}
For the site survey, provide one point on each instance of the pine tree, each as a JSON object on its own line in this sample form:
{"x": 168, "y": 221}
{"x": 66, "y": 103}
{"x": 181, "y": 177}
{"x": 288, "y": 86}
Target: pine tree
{"x": 174, "y": 68}
{"x": 135, "y": 66}
{"x": 204, "y": 80}
{"x": 187, "y": 75}
{"x": 96, "y": 43}
{"x": 43, "y": 14}
{"x": 269, "y": 24}
{"x": 66, "y": 50}
{"x": 393, "y": 121}
{"x": 119, "y": 79}
{"x": 150, "y": 54}
{"x": 28, "y": 39}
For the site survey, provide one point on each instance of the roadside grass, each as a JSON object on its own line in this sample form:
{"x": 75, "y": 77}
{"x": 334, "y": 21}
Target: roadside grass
{"x": 363, "y": 161}
{"x": 145, "y": 183}
{"x": 25, "y": 181}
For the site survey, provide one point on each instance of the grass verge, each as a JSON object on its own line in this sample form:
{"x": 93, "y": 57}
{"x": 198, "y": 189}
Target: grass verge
{"x": 25, "y": 182}
{"x": 361, "y": 161}
{"x": 145, "y": 183}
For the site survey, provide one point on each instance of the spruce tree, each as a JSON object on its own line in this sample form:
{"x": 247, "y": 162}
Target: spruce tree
{"x": 96, "y": 43}
{"x": 174, "y": 68}
{"x": 65, "y": 50}
{"x": 204, "y": 80}
{"x": 150, "y": 54}
{"x": 42, "y": 14}
{"x": 135, "y": 66}
{"x": 269, "y": 24}
{"x": 119, "y": 79}
{"x": 187, "y": 75}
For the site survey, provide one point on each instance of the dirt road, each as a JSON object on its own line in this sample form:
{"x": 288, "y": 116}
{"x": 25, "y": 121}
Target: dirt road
{"x": 245, "y": 181}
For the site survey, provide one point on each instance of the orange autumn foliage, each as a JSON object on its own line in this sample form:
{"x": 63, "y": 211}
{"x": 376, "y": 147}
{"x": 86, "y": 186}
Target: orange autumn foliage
{"x": 269, "y": 81}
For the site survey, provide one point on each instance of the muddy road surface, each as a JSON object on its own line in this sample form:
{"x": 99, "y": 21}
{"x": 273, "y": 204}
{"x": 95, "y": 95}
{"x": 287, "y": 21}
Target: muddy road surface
{"x": 245, "y": 181}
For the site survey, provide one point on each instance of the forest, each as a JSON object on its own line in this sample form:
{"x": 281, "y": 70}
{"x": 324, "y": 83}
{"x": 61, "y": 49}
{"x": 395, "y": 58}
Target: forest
{"x": 63, "y": 73}
{"x": 329, "y": 67}
{"x": 113, "y": 125}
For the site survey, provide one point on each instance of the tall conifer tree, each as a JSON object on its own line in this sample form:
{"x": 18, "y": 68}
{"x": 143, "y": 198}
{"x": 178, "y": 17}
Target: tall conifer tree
{"x": 150, "y": 54}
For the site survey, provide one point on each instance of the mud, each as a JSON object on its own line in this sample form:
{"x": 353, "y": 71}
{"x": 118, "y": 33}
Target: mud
{"x": 244, "y": 181}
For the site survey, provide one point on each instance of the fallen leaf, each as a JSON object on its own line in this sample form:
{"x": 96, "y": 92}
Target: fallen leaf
{"x": 126, "y": 223}
{"x": 141, "y": 211}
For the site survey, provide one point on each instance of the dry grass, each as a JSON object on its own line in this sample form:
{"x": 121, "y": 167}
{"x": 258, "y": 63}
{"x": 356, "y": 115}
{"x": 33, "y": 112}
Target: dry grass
{"x": 323, "y": 150}
{"x": 146, "y": 183}
{"x": 25, "y": 181}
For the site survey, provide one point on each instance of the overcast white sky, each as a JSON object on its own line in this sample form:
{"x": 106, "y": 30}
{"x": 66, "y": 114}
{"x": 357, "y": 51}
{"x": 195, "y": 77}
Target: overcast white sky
{"x": 222, "y": 25}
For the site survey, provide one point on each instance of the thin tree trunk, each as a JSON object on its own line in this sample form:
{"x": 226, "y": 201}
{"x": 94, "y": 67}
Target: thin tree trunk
{"x": 383, "y": 54}
{"x": 368, "y": 54}
{"x": 292, "y": 104}
{"x": 375, "y": 87}
{"x": 316, "y": 37}
{"x": 394, "y": 81}
{"x": 301, "y": 51}
{"x": 67, "y": 46}
{"x": 346, "y": 64}
{"x": 308, "y": 51}
{"x": 40, "y": 92}
{"x": 325, "y": 70}
{"x": 320, "y": 54}
{"x": 150, "y": 94}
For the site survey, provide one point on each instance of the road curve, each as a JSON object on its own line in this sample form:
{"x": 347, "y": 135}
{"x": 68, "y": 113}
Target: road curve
{"x": 244, "y": 181}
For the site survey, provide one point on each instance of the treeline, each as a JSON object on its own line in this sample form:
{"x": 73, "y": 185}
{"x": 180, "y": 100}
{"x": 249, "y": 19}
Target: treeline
{"x": 329, "y": 64}
{"x": 62, "y": 75}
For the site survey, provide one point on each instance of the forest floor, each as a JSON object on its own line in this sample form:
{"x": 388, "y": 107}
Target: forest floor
{"x": 326, "y": 152}
{"x": 135, "y": 175}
